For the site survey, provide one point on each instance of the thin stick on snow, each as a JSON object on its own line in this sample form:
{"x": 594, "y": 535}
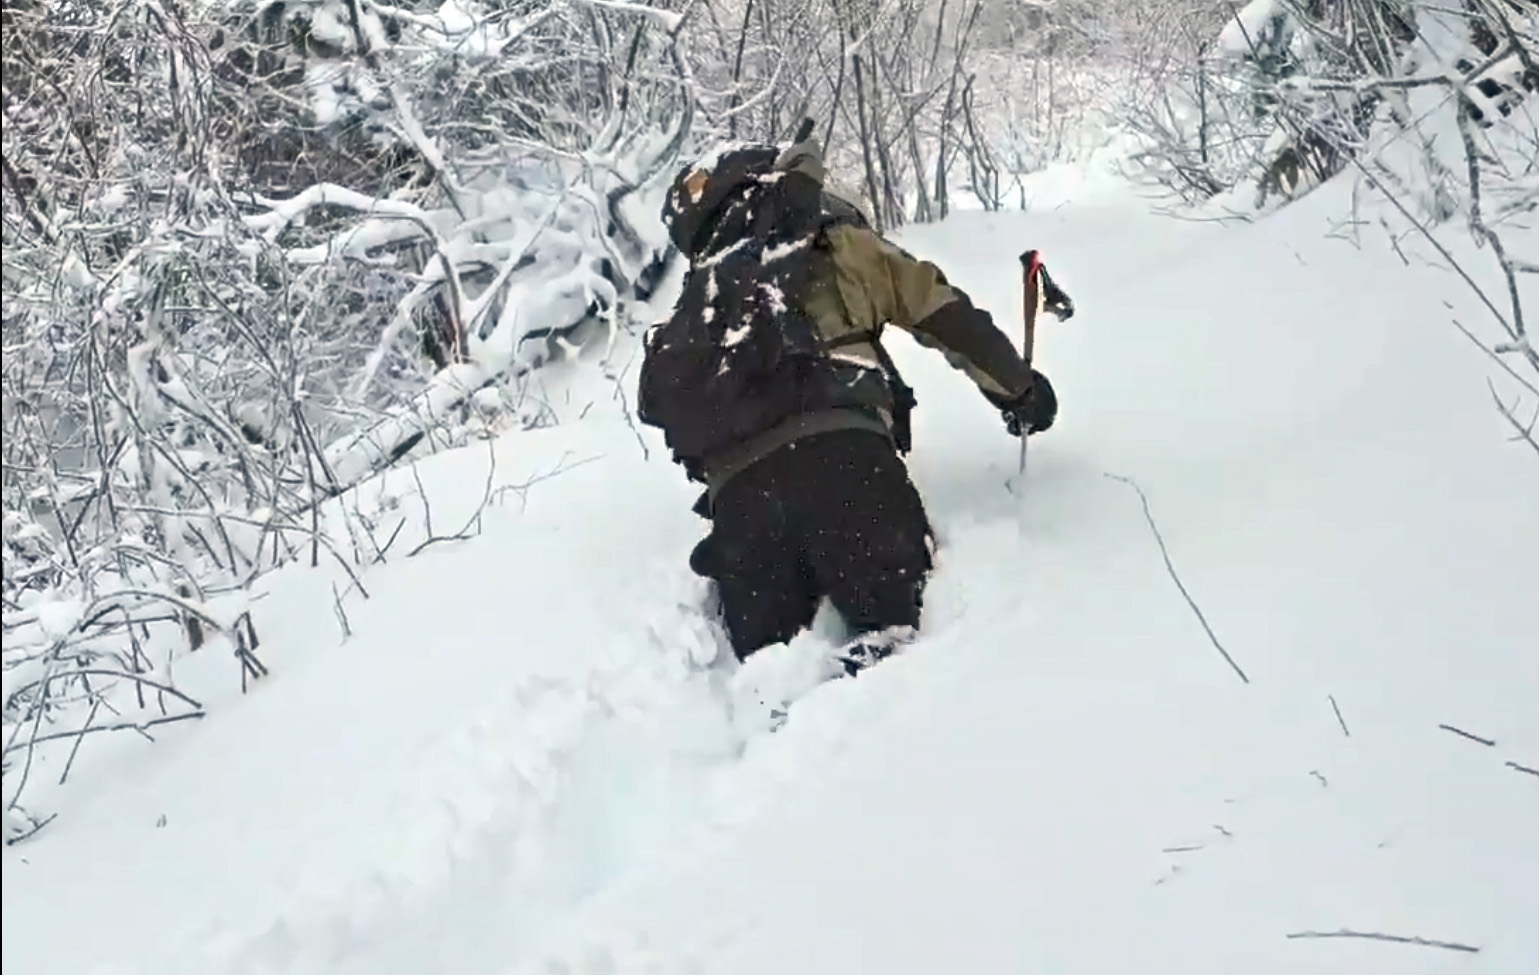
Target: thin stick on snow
{"x": 427, "y": 507}
{"x": 1176, "y": 578}
{"x": 625, "y": 408}
{"x": 44, "y": 683}
{"x": 138, "y": 726}
{"x": 347, "y": 631}
{"x": 1465, "y": 734}
{"x": 522, "y": 490}
{"x": 1496, "y": 357}
{"x": 390, "y": 541}
{"x": 475, "y": 519}
{"x": 31, "y": 747}
{"x": 1339, "y": 719}
{"x": 1525, "y": 431}
{"x": 79, "y": 737}
{"x": 1376, "y": 936}
{"x": 37, "y": 825}
{"x": 1523, "y": 768}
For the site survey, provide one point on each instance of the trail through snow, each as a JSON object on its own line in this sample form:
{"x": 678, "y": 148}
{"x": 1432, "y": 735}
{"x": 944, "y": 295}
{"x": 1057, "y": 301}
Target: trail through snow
{"x": 531, "y": 756}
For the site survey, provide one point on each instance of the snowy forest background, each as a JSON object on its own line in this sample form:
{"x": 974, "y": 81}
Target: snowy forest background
{"x": 255, "y": 252}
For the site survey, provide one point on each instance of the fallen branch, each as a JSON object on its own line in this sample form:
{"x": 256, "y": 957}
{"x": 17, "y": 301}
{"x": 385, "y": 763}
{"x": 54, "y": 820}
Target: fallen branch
{"x": 1170, "y": 567}
{"x": 139, "y": 726}
{"x": 1465, "y": 734}
{"x": 1339, "y": 719}
{"x": 1523, "y": 768}
{"x": 1396, "y": 938}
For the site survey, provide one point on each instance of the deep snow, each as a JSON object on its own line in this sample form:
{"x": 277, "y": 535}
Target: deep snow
{"x": 528, "y": 758}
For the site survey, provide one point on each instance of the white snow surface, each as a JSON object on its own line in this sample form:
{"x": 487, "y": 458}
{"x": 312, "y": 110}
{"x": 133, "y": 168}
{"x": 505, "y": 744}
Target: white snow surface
{"x": 531, "y": 755}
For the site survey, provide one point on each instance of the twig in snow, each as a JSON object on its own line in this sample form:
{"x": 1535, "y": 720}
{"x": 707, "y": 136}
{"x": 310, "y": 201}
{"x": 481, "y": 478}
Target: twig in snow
{"x": 1169, "y": 567}
{"x": 37, "y": 824}
{"x": 475, "y": 518}
{"x": 427, "y": 507}
{"x": 1375, "y": 936}
{"x": 1523, "y": 768}
{"x": 390, "y": 541}
{"x": 1495, "y": 357}
{"x": 137, "y": 726}
{"x": 31, "y": 746}
{"x": 43, "y": 684}
{"x": 79, "y": 737}
{"x": 1525, "y": 431}
{"x": 347, "y": 631}
{"x": 522, "y": 490}
{"x": 625, "y": 408}
{"x": 246, "y": 643}
{"x": 1339, "y": 719}
{"x": 1465, "y": 734}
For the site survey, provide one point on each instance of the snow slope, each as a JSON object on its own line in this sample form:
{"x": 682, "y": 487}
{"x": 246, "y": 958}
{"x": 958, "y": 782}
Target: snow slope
{"x": 528, "y": 756}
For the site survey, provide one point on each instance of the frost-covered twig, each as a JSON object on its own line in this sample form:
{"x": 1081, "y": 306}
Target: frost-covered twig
{"x": 42, "y": 684}
{"x": 136, "y": 726}
{"x": 666, "y": 19}
{"x": 1176, "y": 578}
{"x": 1516, "y": 327}
{"x": 1375, "y": 936}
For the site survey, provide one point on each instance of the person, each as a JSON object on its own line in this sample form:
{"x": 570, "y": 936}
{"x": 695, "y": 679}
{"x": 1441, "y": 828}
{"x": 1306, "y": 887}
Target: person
{"x": 772, "y": 388}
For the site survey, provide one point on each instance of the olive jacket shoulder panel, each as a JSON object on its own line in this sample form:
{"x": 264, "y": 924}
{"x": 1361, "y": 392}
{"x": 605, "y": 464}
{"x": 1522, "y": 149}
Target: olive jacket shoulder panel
{"x": 869, "y": 282}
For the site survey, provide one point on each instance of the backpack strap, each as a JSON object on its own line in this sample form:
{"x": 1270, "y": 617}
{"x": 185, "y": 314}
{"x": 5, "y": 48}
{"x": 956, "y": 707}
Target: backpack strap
{"x": 903, "y": 400}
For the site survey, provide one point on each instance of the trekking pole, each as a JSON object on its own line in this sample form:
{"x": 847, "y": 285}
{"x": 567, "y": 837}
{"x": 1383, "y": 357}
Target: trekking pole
{"x": 1031, "y": 306}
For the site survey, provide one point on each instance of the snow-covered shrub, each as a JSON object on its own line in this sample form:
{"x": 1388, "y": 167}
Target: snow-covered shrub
{"x": 254, "y": 252}
{"x": 1431, "y": 106}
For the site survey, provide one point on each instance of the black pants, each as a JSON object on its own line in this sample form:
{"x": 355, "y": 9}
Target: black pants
{"x": 833, "y": 515}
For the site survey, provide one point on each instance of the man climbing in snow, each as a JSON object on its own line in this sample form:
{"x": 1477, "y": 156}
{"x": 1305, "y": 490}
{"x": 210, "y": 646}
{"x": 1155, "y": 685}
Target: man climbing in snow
{"x": 772, "y": 389}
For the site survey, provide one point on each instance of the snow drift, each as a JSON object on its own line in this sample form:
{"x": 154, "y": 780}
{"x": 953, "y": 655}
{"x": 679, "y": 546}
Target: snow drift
{"x": 528, "y": 753}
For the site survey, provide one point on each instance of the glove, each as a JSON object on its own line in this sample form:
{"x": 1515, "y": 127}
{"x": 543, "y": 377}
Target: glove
{"x": 805, "y": 157}
{"x": 1033, "y": 411}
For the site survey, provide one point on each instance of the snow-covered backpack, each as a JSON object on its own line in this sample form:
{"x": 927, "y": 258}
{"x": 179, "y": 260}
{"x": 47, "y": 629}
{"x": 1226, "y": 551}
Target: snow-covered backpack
{"x": 739, "y": 354}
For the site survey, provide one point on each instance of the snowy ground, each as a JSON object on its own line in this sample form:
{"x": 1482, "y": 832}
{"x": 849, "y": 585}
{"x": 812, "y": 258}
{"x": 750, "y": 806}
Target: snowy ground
{"x": 524, "y": 759}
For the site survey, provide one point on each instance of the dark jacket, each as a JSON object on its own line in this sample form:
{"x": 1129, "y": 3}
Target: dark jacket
{"x": 843, "y": 284}
{"x": 866, "y": 284}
